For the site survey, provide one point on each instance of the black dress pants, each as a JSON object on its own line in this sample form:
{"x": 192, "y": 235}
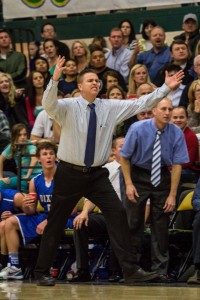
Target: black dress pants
{"x": 69, "y": 186}
{"x": 159, "y": 221}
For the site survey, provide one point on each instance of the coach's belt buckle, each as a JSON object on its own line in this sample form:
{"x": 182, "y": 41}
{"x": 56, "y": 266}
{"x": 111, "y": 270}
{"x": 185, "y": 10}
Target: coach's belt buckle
{"x": 86, "y": 169}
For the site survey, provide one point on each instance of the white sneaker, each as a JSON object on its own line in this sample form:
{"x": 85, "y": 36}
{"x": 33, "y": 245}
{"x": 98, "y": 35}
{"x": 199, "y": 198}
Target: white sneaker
{"x": 11, "y": 272}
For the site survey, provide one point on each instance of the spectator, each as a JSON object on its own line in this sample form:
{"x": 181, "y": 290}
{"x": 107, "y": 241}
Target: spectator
{"x": 142, "y": 183}
{"x": 155, "y": 58}
{"x": 174, "y": 95}
{"x": 109, "y": 79}
{"x": 191, "y": 32}
{"x": 147, "y": 26}
{"x": 115, "y": 92}
{"x": 118, "y": 58}
{"x": 98, "y": 63}
{"x": 197, "y": 49}
{"x": 181, "y": 55}
{"x": 11, "y": 61}
{"x": 4, "y": 131}
{"x": 51, "y": 50}
{"x": 138, "y": 75}
{"x": 194, "y": 106}
{"x": 48, "y": 31}
{"x": 81, "y": 54}
{"x": 10, "y": 204}
{"x": 69, "y": 83}
{"x": 12, "y": 101}
{"x": 75, "y": 93}
{"x": 190, "y": 171}
{"x": 128, "y": 31}
{"x": 41, "y": 64}
{"x": 33, "y": 49}
{"x": 99, "y": 41}
{"x": 44, "y": 128}
{"x": 35, "y": 90}
{"x": 31, "y": 224}
{"x": 18, "y": 135}
{"x": 196, "y": 74}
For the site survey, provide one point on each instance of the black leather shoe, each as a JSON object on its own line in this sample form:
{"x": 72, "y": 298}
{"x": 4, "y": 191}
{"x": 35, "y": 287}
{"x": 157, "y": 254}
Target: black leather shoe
{"x": 163, "y": 278}
{"x": 140, "y": 276}
{"x": 81, "y": 276}
{"x": 46, "y": 280}
{"x": 115, "y": 277}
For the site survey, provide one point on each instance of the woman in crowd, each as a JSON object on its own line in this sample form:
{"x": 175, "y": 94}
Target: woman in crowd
{"x": 100, "y": 41}
{"x": 194, "y": 106}
{"x": 128, "y": 31}
{"x": 34, "y": 94}
{"x": 81, "y": 54}
{"x": 12, "y": 101}
{"x": 145, "y": 42}
{"x": 33, "y": 48}
{"x": 109, "y": 79}
{"x": 19, "y": 135}
{"x": 115, "y": 92}
{"x": 69, "y": 83}
{"x": 138, "y": 75}
{"x": 51, "y": 50}
{"x": 41, "y": 64}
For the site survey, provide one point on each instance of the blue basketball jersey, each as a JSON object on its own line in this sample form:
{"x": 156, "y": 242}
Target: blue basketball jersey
{"x": 44, "y": 191}
{"x": 7, "y": 200}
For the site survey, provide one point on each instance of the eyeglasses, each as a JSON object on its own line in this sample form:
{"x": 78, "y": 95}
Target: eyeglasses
{"x": 48, "y": 30}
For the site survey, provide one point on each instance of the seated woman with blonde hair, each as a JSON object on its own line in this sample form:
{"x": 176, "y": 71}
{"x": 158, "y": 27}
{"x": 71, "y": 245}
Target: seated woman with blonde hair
{"x": 138, "y": 75}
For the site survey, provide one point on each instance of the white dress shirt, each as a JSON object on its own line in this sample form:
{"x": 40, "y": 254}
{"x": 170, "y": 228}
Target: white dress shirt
{"x": 72, "y": 115}
{"x": 113, "y": 168}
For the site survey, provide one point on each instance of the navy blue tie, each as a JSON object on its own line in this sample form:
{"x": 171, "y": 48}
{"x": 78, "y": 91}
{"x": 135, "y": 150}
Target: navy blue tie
{"x": 122, "y": 184}
{"x": 91, "y": 137}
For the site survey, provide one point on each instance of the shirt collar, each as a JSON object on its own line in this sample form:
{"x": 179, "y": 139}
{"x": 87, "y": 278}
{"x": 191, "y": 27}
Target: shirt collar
{"x": 161, "y": 50}
{"x": 84, "y": 102}
{"x": 155, "y": 128}
{"x": 118, "y": 51}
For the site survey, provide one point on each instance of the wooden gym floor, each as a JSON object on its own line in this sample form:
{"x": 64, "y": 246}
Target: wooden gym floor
{"x": 19, "y": 290}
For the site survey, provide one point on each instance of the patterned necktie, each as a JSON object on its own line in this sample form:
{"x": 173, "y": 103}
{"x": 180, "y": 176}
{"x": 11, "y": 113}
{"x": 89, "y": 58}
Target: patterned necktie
{"x": 91, "y": 137}
{"x": 156, "y": 161}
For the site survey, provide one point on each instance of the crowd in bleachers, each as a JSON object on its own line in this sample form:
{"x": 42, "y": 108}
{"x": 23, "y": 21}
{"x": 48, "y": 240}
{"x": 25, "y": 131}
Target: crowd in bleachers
{"x": 130, "y": 69}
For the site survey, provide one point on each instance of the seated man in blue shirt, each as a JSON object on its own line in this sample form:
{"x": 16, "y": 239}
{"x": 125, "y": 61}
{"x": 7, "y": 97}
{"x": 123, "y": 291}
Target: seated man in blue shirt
{"x": 150, "y": 147}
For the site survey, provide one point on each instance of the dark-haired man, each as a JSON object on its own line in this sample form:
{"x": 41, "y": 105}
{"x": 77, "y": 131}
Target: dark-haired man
{"x": 11, "y": 61}
{"x": 87, "y": 125}
{"x": 48, "y": 31}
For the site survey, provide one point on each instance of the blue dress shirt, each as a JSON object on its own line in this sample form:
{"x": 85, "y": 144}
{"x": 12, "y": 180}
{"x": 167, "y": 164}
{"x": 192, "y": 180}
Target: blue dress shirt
{"x": 154, "y": 61}
{"x": 139, "y": 141}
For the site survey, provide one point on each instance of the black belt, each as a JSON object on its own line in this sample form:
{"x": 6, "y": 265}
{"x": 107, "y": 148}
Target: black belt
{"x": 82, "y": 169}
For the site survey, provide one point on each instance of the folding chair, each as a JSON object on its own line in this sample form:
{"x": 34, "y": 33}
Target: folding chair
{"x": 185, "y": 205}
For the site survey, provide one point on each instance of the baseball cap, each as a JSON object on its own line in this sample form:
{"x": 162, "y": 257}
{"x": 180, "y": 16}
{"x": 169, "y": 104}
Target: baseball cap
{"x": 190, "y": 16}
